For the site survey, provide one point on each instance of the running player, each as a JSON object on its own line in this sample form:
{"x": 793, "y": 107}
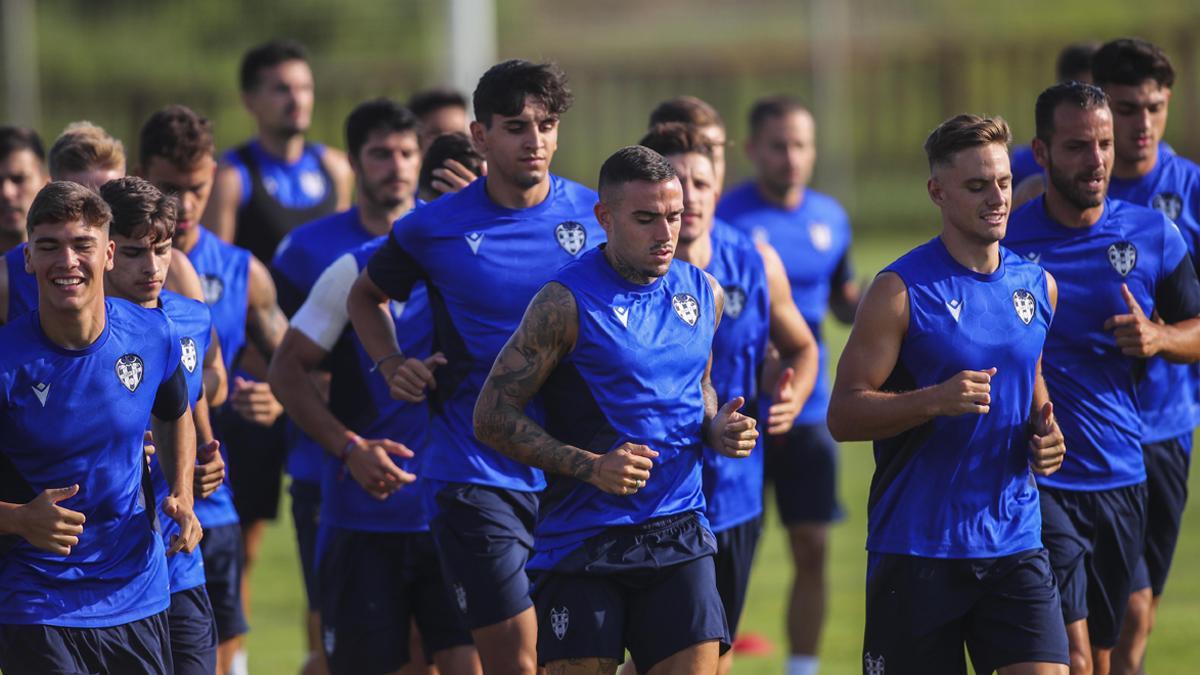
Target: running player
{"x": 441, "y": 111}
{"x": 811, "y": 232}
{"x": 706, "y": 119}
{"x": 758, "y": 307}
{"x": 619, "y": 344}
{"x": 1074, "y": 63}
{"x": 22, "y": 174}
{"x": 85, "y": 589}
{"x": 1116, "y": 264}
{"x": 943, "y": 371}
{"x": 483, "y": 252}
{"x": 1137, "y": 77}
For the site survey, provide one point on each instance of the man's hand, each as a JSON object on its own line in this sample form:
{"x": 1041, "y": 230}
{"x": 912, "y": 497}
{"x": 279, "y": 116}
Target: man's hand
{"x": 210, "y": 469}
{"x": 624, "y": 470}
{"x": 49, "y": 526}
{"x": 1136, "y": 334}
{"x": 1046, "y": 445}
{"x": 189, "y": 526}
{"x": 970, "y": 391}
{"x": 452, "y": 176}
{"x": 370, "y": 463}
{"x": 785, "y": 405}
{"x": 408, "y": 380}
{"x": 255, "y": 402}
{"x": 731, "y": 433}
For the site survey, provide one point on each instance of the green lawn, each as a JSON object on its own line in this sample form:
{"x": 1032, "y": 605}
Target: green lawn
{"x": 276, "y": 639}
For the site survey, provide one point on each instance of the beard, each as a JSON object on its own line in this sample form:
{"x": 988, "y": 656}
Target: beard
{"x": 1068, "y": 186}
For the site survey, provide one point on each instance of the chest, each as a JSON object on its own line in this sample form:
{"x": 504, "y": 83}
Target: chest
{"x": 810, "y": 246}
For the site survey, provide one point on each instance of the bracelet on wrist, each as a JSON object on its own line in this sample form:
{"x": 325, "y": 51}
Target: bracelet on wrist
{"x": 394, "y": 355}
{"x": 349, "y": 447}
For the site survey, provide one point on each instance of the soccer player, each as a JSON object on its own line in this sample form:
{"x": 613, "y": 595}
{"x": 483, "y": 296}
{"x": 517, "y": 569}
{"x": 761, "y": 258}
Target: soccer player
{"x": 483, "y": 253}
{"x": 84, "y": 588}
{"x": 22, "y": 174}
{"x": 619, "y": 345}
{"x": 177, "y": 156}
{"x": 811, "y": 232}
{"x": 441, "y": 111}
{"x": 758, "y": 307}
{"x": 1137, "y": 77}
{"x": 277, "y": 181}
{"x": 447, "y": 150}
{"x": 943, "y": 371}
{"x": 693, "y": 111}
{"x": 1074, "y": 63}
{"x": 86, "y": 154}
{"x": 381, "y": 137}
{"x": 1116, "y": 264}
{"x": 143, "y": 224}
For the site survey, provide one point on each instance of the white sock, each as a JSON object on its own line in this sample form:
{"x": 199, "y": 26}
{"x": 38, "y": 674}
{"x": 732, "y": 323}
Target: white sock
{"x": 241, "y": 663}
{"x": 802, "y": 664}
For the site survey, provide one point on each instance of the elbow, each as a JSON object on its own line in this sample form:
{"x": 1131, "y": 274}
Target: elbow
{"x": 484, "y": 427}
{"x": 840, "y": 427}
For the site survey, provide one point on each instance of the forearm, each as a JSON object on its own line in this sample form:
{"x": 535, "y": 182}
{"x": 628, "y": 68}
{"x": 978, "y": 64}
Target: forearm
{"x": 372, "y": 322}
{"x": 10, "y": 518}
{"x": 305, "y": 406}
{"x": 202, "y": 422}
{"x": 215, "y": 386}
{"x": 804, "y": 363}
{"x": 1181, "y": 341}
{"x": 711, "y": 407}
{"x": 866, "y": 415}
{"x": 265, "y": 328}
{"x": 176, "y": 448}
{"x": 506, "y": 428}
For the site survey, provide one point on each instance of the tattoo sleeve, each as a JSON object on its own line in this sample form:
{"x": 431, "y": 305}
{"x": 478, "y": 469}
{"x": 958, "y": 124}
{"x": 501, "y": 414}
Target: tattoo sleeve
{"x": 547, "y": 334}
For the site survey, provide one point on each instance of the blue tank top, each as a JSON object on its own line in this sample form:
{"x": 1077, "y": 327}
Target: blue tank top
{"x": 295, "y": 185}
{"x": 634, "y": 376}
{"x": 1093, "y": 386}
{"x": 733, "y": 487}
{"x": 813, "y": 240}
{"x": 483, "y": 263}
{"x": 986, "y": 502}
{"x": 1172, "y": 188}
{"x": 22, "y": 286}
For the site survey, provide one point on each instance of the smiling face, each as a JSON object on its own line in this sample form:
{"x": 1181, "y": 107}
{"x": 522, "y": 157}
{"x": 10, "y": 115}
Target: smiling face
{"x": 1079, "y": 156}
{"x": 518, "y": 148}
{"x": 642, "y": 221}
{"x": 69, "y": 261}
{"x": 974, "y": 192}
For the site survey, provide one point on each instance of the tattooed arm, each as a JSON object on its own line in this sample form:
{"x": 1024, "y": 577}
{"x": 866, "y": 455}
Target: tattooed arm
{"x": 547, "y": 334}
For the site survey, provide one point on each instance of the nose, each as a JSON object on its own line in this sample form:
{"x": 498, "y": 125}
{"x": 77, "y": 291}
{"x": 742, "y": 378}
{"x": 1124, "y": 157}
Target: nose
{"x": 8, "y": 190}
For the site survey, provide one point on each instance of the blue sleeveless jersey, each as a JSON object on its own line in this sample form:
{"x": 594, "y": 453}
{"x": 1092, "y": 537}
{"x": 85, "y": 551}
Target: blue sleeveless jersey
{"x": 733, "y": 487}
{"x": 223, "y": 270}
{"x": 22, "y": 286}
{"x": 193, "y": 323}
{"x": 483, "y": 264}
{"x": 361, "y": 400}
{"x": 78, "y": 416}
{"x": 295, "y": 185}
{"x": 813, "y": 240}
{"x": 985, "y": 503}
{"x": 634, "y": 376}
{"x": 1093, "y": 386}
{"x": 1173, "y": 188}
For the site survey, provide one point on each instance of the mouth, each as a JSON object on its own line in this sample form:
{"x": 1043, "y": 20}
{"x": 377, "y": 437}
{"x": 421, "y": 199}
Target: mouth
{"x": 662, "y": 254}
{"x": 68, "y": 283}
{"x": 995, "y": 217}
{"x": 1093, "y": 183}
{"x": 184, "y": 225}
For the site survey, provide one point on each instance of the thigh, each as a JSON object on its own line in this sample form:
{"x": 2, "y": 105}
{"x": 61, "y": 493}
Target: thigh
{"x": 1019, "y": 617}
{"x": 193, "y": 633}
{"x": 441, "y": 625}
{"x": 306, "y": 509}
{"x": 1118, "y": 542}
{"x": 579, "y": 617}
{"x": 1067, "y": 536}
{"x": 733, "y": 562}
{"x": 803, "y": 466}
{"x": 1167, "y": 466}
{"x": 675, "y": 608}
{"x": 223, "y": 570}
{"x": 139, "y": 647}
{"x": 43, "y": 650}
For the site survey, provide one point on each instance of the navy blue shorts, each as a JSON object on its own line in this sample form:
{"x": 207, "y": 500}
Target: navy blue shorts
{"x": 484, "y": 537}
{"x": 1167, "y": 465}
{"x": 920, "y": 611}
{"x": 256, "y": 457}
{"x": 735, "y": 557}
{"x": 803, "y": 466}
{"x": 193, "y": 632}
{"x": 648, "y": 588}
{"x": 223, "y": 558}
{"x": 1095, "y": 540}
{"x": 373, "y": 585}
{"x": 138, "y": 647}
{"x": 306, "y": 511}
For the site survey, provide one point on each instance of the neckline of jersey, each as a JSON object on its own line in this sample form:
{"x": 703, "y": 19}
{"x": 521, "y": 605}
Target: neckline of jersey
{"x": 1039, "y": 206}
{"x": 944, "y": 252}
{"x": 534, "y": 210}
{"x": 625, "y": 284}
{"x": 36, "y": 316}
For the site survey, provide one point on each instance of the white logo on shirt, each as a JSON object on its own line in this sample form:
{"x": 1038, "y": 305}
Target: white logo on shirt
{"x": 474, "y": 239}
{"x": 821, "y": 235}
{"x": 760, "y": 235}
{"x": 571, "y": 236}
{"x": 560, "y": 618}
{"x": 1168, "y": 204}
{"x": 686, "y": 307}
{"x": 460, "y": 596}
{"x": 622, "y": 314}
{"x": 313, "y": 184}
{"x": 41, "y": 390}
{"x": 1025, "y": 305}
{"x": 1034, "y": 257}
{"x": 212, "y": 287}
{"x": 188, "y": 354}
{"x": 735, "y": 301}
{"x": 872, "y": 665}
{"x": 129, "y": 371}
{"x": 955, "y": 307}
{"x": 1123, "y": 257}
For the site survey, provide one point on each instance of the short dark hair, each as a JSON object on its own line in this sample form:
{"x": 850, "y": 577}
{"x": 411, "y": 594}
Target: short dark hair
{"x": 63, "y": 201}
{"x": 1075, "y": 59}
{"x": 964, "y": 131}
{"x": 772, "y": 107}
{"x": 423, "y": 102}
{"x": 676, "y": 138}
{"x": 633, "y": 163}
{"x": 139, "y": 208}
{"x": 380, "y": 114}
{"x": 13, "y": 139}
{"x": 83, "y": 146}
{"x": 454, "y": 145}
{"x": 688, "y": 110}
{"x": 504, "y": 87}
{"x": 179, "y": 135}
{"x": 267, "y": 55}
{"x": 1079, "y": 94}
{"x": 1131, "y": 61}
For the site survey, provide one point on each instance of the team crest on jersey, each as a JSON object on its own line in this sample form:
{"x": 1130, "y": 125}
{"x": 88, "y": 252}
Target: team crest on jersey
{"x": 129, "y": 371}
{"x": 312, "y": 184}
{"x": 560, "y": 618}
{"x": 330, "y": 640}
{"x": 1123, "y": 257}
{"x": 735, "y": 301}
{"x": 1167, "y": 203}
{"x": 872, "y": 665}
{"x": 1025, "y": 305}
{"x": 188, "y": 354}
{"x": 571, "y": 236}
{"x": 460, "y": 596}
{"x": 474, "y": 239}
{"x": 821, "y": 235}
{"x": 212, "y": 287}
{"x": 686, "y": 307}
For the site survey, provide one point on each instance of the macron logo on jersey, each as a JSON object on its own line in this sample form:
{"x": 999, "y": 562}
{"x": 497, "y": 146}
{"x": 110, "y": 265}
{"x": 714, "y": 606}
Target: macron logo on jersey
{"x": 1033, "y": 257}
{"x": 41, "y": 390}
{"x": 474, "y": 239}
{"x": 955, "y": 307}
{"x": 622, "y": 314}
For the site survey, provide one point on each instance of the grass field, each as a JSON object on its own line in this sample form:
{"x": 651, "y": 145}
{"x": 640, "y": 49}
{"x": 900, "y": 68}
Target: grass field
{"x": 275, "y": 642}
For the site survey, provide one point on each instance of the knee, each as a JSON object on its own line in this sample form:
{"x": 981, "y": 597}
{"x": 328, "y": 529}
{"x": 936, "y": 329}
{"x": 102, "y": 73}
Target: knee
{"x": 1081, "y": 660}
{"x": 1138, "y": 612}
